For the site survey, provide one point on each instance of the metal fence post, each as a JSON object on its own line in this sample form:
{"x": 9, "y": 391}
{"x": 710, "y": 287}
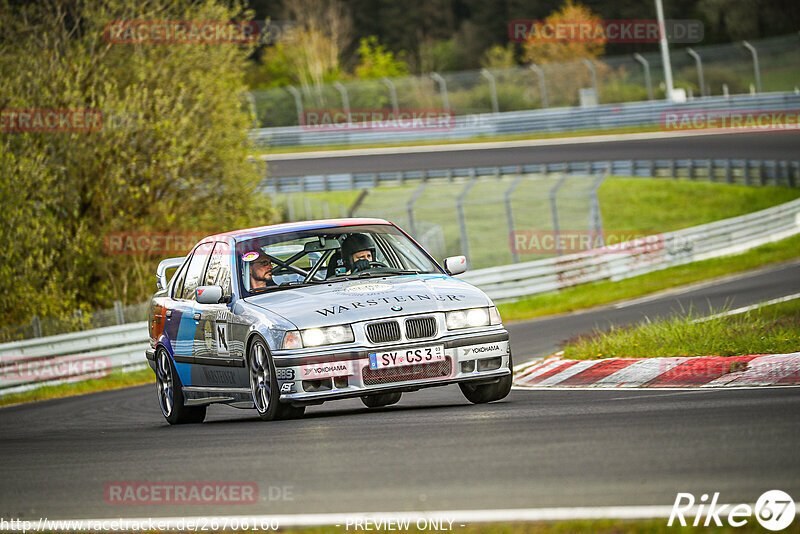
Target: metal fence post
{"x": 307, "y": 205}
{"x": 756, "y": 69}
{"x": 542, "y": 83}
{"x": 37, "y": 326}
{"x": 492, "y": 88}
{"x": 118, "y": 312}
{"x": 290, "y": 207}
{"x": 746, "y": 171}
{"x": 593, "y": 70}
{"x": 462, "y": 223}
{"x": 554, "y": 211}
{"x": 510, "y": 215}
{"x": 595, "y": 219}
{"x": 252, "y": 101}
{"x": 412, "y": 227}
{"x": 345, "y": 100}
{"x": 298, "y": 103}
{"x": 392, "y": 94}
{"x": 442, "y": 89}
{"x": 646, "y": 65}
{"x": 699, "y": 62}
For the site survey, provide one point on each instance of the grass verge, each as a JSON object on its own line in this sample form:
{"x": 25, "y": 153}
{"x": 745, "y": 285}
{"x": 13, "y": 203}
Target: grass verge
{"x": 773, "y": 329}
{"x": 479, "y": 139}
{"x": 597, "y": 293}
{"x": 115, "y": 380}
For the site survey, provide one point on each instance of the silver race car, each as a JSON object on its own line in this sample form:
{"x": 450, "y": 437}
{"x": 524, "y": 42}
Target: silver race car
{"x": 285, "y": 316}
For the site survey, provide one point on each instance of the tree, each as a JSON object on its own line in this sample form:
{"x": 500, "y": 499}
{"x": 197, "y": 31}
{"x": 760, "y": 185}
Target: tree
{"x": 547, "y": 51}
{"x": 377, "y": 62}
{"x": 170, "y": 156}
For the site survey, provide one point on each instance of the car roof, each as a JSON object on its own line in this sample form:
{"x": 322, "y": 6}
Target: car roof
{"x": 274, "y": 229}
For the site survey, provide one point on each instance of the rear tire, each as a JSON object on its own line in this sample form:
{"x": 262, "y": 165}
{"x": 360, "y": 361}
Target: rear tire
{"x": 170, "y": 393}
{"x": 381, "y": 399}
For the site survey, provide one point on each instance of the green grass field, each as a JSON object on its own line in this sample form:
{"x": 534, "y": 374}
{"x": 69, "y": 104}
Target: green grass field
{"x": 627, "y": 205}
{"x": 599, "y": 293}
{"x": 773, "y": 329}
{"x": 115, "y": 380}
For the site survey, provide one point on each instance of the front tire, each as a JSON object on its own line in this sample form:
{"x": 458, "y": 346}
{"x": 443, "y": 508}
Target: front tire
{"x": 170, "y": 393}
{"x": 381, "y": 399}
{"x": 264, "y": 386}
{"x": 481, "y": 393}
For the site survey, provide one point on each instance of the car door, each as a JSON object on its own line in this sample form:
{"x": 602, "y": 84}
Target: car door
{"x": 219, "y": 355}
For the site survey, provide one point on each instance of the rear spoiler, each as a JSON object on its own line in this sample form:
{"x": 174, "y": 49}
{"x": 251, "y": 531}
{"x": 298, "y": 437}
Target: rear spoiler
{"x": 161, "y": 272}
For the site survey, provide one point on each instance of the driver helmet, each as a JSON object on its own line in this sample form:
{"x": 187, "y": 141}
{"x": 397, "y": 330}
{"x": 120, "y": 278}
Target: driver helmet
{"x": 356, "y": 243}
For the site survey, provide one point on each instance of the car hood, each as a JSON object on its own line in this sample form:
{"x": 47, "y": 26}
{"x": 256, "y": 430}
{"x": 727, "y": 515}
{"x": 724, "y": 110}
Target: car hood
{"x": 360, "y": 300}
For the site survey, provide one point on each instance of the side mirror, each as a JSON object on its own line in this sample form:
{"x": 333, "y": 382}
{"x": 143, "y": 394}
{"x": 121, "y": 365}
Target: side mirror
{"x": 208, "y": 294}
{"x": 455, "y": 264}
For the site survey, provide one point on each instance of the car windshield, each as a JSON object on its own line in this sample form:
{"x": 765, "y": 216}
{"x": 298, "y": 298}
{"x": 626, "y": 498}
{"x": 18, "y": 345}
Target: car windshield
{"x": 313, "y": 256}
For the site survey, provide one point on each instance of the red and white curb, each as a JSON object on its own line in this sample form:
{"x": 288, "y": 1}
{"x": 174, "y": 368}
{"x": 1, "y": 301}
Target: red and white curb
{"x": 704, "y": 371}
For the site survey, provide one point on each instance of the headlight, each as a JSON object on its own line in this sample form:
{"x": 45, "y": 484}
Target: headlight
{"x": 331, "y": 335}
{"x": 291, "y": 340}
{"x": 494, "y": 316}
{"x": 473, "y": 318}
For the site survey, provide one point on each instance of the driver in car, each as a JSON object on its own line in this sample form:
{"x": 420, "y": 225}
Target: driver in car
{"x": 358, "y": 251}
{"x": 261, "y": 273}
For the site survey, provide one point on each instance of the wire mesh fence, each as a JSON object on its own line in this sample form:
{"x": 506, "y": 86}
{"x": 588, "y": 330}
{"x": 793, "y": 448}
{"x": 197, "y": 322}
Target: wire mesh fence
{"x": 479, "y": 218}
{"x": 721, "y": 69}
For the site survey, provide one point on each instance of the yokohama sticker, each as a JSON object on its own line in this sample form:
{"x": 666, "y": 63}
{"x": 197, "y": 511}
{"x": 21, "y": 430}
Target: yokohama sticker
{"x": 326, "y": 370}
{"x": 484, "y": 350}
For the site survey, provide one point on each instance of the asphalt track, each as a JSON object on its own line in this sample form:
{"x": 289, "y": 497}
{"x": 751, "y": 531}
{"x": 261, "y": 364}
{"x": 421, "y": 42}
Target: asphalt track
{"x": 432, "y": 451}
{"x": 766, "y": 145}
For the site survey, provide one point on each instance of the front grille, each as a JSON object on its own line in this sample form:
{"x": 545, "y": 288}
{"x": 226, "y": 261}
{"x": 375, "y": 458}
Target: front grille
{"x": 407, "y": 372}
{"x": 383, "y": 332}
{"x": 420, "y": 327}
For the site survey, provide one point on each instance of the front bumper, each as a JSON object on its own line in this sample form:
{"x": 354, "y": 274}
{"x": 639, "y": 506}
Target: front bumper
{"x": 314, "y": 378}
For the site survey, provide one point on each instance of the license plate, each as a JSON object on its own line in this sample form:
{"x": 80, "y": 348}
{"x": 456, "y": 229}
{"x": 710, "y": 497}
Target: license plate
{"x": 398, "y": 357}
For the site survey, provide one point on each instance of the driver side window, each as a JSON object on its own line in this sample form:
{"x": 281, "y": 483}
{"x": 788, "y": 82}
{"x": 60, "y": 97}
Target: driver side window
{"x": 195, "y": 271}
{"x": 177, "y": 288}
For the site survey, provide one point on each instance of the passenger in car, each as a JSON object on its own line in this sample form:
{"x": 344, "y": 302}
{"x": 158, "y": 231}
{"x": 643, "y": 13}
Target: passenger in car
{"x": 358, "y": 251}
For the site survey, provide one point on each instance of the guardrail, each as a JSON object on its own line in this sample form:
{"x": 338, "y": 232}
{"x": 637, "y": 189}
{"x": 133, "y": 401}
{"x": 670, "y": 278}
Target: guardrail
{"x": 78, "y": 355}
{"x": 123, "y": 346}
{"x": 601, "y": 117}
{"x": 632, "y": 259}
{"x": 732, "y": 171}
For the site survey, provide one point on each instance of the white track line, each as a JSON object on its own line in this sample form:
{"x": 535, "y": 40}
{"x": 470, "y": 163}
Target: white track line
{"x": 444, "y": 517}
{"x": 420, "y": 149}
{"x": 745, "y": 309}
